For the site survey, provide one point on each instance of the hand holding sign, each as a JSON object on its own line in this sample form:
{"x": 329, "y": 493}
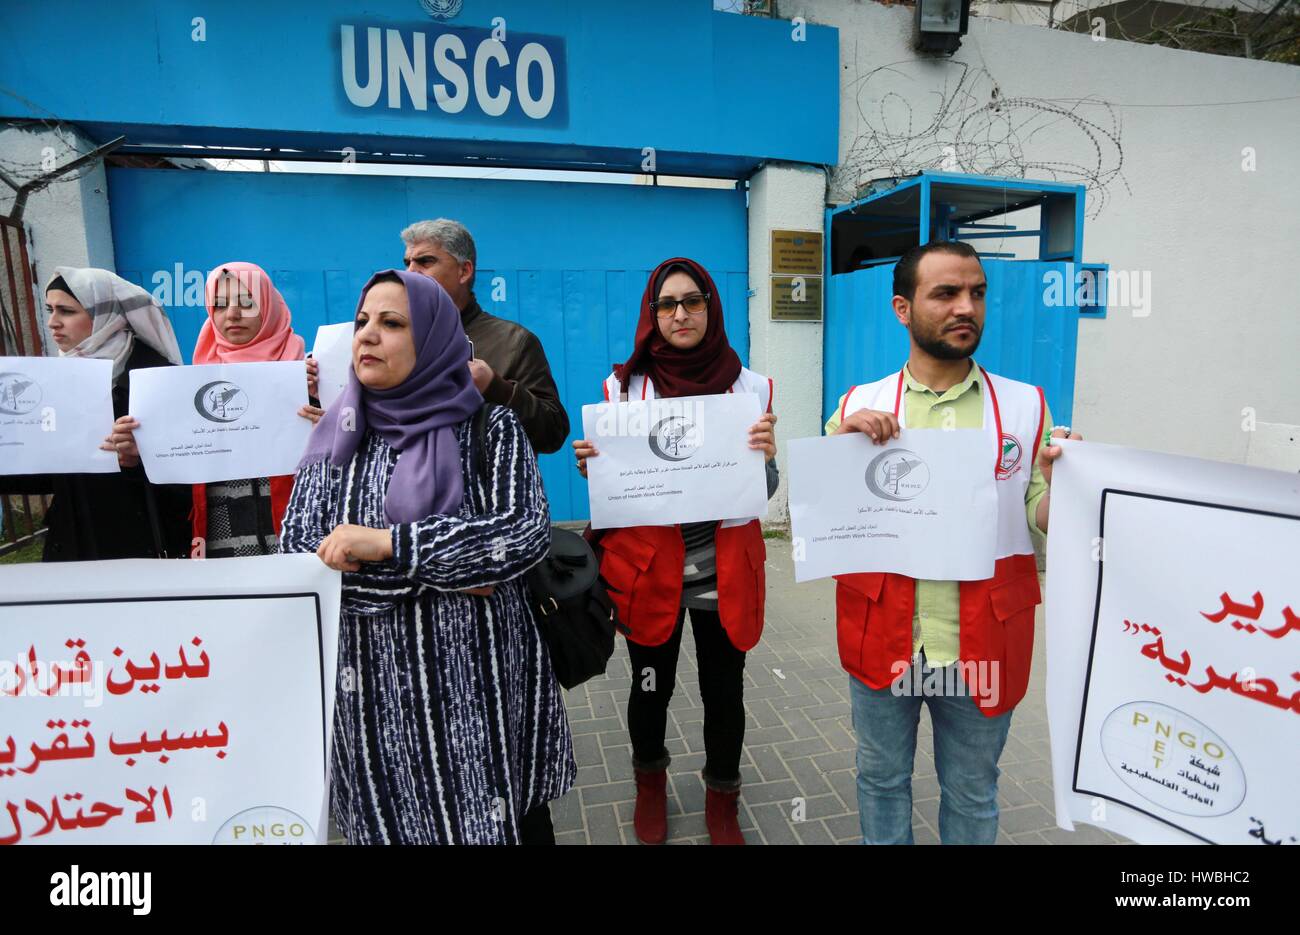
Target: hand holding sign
{"x": 762, "y": 435}
{"x": 1049, "y": 453}
{"x": 878, "y": 426}
{"x": 121, "y": 439}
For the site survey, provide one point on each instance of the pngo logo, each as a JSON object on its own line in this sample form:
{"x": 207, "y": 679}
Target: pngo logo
{"x": 897, "y": 475}
{"x": 221, "y": 401}
{"x": 1173, "y": 760}
{"x": 675, "y": 438}
{"x": 266, "y": 824}
{"x": 19, "y": 394}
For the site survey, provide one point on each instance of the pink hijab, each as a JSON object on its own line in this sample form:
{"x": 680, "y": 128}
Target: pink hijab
{"x": 275, "y": 340}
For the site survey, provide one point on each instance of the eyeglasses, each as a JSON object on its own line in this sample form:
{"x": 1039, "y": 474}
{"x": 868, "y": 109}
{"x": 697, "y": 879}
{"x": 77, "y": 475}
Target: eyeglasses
{"x": 696, "y": 304}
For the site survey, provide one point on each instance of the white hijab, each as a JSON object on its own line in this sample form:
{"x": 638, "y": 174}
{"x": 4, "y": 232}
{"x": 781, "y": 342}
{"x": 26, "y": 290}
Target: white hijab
{"x": 121, "y": 312}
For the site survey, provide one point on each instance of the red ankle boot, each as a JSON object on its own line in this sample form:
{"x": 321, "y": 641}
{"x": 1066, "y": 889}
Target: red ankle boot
{"x": 651, "y": 816}
{"x": 720, "y": 805}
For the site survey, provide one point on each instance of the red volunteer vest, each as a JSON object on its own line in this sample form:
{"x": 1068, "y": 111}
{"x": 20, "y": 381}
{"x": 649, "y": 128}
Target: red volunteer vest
{"x": 874, "y": 610}
{"x": 642, "y": 567}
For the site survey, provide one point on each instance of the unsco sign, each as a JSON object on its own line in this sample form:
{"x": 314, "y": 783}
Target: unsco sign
{"x": 477, "y": 74}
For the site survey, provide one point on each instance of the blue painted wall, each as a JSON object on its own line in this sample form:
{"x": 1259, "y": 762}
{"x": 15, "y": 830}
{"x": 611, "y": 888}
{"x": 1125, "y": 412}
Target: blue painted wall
{"x": 574, "y": 257}
{"x": 709, "y": 91}
{"x": 1023, "y": 338}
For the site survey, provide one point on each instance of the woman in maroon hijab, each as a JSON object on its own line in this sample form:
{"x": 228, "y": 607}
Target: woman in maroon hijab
{"x": 713, "y": 569}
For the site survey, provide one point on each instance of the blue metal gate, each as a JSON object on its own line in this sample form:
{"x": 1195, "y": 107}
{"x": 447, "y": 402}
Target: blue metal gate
{"x": 570, "y": 260}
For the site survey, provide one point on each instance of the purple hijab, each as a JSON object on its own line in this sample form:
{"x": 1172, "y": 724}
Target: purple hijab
{"x": 416, "y": 416}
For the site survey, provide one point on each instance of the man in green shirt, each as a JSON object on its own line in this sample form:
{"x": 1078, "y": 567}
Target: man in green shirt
{"x": 939, "y": 297}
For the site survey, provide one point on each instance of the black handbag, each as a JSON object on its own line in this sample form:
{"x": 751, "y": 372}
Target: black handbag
{"x": 573, "y": 610}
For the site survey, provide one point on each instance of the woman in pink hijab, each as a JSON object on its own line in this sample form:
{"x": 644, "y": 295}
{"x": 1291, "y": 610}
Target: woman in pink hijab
{"x": 248, "y": 322}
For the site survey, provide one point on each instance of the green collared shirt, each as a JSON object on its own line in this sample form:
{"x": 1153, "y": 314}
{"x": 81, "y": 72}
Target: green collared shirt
{"x": 935, "y": 626}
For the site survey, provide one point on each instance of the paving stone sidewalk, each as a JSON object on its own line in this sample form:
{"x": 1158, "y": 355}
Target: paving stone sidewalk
{"x": 798, "y": 743}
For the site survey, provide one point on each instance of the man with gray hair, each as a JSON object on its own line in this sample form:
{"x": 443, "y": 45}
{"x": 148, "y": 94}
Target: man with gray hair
{"x": 509, "y": 365}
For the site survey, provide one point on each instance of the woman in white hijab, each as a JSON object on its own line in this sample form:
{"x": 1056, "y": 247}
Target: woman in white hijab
{"x": 95, "y": 313}
{"x": 107, "y": 316}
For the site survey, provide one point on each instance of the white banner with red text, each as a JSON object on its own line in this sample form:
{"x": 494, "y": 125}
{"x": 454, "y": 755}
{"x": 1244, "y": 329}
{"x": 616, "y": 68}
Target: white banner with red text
{"x": 167, "y": 701}
{"x": 1173, "y": 647}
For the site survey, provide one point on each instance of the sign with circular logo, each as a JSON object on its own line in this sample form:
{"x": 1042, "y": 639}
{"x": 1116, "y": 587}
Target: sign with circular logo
{"x": 266, "y": 824}
{"x": 221, "y": 401}
{"x": 1011, "y": 452}
{"x": 1173, "y": 760}
{"x": 19, "y": 394}
{"x": 897, "y": 474}
{"x": 442, "y": 9}
{"x": 675, "y": 438}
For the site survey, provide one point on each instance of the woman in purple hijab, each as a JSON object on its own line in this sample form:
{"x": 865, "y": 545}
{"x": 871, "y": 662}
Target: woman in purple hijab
{"x": 449, "y": 726}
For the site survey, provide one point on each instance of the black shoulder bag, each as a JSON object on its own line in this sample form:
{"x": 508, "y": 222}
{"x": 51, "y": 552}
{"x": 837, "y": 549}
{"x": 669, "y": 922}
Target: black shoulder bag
{"x": 574, "y": 613}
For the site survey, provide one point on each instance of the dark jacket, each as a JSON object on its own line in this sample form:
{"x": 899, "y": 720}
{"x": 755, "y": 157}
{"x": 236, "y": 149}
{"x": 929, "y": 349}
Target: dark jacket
{"x": 103, "y": 516}
{"x": 522, "y": 378}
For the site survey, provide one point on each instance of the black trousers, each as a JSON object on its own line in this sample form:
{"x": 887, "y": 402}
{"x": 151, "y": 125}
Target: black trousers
{"x": 722, "y": 690}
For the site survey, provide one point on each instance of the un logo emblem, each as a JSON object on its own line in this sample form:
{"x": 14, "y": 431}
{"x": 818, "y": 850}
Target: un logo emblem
{"x": 442, "y": 9}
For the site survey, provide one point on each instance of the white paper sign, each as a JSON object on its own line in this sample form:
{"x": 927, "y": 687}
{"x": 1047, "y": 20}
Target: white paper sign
{"x": 923, "y": 505}
{"x": 680, "y": 460}
{"x": 1173, "y": 641}
{"x": 167, "y": 701}
{"x": 333, "y": 351}
{"x": 54, "y": 414}
{"x": 220, "y": 421}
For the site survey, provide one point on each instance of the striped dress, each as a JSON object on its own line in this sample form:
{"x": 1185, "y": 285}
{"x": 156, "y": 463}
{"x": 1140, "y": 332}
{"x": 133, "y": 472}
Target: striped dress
{"x": 448, "y": 720}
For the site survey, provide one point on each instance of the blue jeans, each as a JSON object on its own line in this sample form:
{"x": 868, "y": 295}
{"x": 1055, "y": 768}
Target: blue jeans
{"x": 967, "y": 746}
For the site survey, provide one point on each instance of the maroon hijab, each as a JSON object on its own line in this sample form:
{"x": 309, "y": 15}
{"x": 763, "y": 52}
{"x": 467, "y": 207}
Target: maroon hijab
{"x": 710, "y": 367}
